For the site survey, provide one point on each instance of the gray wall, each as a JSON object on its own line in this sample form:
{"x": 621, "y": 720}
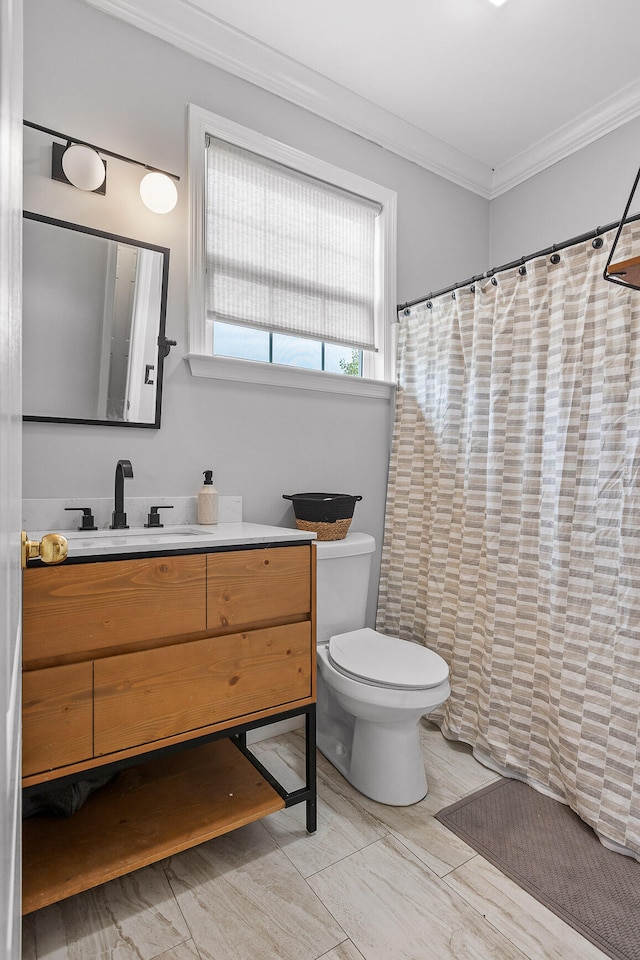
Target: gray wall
{"x": 94, "y": 77}
{"x": 575, "y": 195}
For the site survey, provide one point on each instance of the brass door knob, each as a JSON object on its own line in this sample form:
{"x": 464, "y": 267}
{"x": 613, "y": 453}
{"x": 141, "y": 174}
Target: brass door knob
{"x": 51, "y": 549}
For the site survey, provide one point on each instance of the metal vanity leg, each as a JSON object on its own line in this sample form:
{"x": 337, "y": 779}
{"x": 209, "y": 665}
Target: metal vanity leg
{"x": 310, "y": 752}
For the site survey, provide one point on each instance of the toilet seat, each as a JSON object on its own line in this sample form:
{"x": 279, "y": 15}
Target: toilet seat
{"x": 379, "y": 660}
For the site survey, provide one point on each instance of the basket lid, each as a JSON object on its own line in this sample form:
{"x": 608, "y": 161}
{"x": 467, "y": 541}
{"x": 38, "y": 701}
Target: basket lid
{"x": 320, "y": 497}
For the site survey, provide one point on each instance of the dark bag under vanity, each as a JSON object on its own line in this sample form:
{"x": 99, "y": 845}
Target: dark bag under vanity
{"x": 62, "y": 800}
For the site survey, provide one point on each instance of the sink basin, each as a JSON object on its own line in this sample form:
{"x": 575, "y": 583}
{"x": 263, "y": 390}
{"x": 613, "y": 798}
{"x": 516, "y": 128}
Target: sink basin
{"x": 135, "y": 537}
{"x": 134, "y": 533}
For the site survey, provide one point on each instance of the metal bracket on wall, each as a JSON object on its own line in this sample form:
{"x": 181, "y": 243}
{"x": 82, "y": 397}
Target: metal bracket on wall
{"x": 165, "y": 345}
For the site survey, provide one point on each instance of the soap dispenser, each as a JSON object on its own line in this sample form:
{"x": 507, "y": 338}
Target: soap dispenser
{"x": 208, "y": 500}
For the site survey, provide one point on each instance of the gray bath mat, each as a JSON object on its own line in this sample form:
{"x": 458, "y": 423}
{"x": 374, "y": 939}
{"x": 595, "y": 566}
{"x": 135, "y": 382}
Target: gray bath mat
{"x": 548, "y": 851}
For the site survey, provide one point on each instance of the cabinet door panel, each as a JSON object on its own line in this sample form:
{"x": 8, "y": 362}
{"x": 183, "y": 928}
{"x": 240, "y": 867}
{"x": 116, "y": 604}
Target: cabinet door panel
{"x": 57, "y": 726}
{"x": 256, "y": 585}
{"x": 152, "y": 694}
{"x": 90, "y": 606}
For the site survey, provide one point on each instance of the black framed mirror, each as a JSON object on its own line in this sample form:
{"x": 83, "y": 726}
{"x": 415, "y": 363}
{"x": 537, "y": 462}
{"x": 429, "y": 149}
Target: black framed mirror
{"x": 93, "y": 317}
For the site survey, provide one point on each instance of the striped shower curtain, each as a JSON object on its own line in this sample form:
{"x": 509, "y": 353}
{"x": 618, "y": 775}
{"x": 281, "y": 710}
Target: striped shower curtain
{"x": 512, "y": 538}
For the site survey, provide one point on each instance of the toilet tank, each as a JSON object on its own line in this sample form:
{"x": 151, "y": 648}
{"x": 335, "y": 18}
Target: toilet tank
{"x": 342, "y": 583}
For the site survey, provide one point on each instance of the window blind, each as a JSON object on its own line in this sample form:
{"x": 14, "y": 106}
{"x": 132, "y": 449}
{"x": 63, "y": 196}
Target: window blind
{"x": 286, "y": 252}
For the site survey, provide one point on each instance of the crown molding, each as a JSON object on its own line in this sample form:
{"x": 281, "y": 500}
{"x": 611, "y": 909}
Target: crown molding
{"x": 198, "y": 33}
{"x": 605, "y": 117}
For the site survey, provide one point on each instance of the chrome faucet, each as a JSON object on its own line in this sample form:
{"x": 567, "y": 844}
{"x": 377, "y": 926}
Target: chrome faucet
{"x": 119, "y": 517}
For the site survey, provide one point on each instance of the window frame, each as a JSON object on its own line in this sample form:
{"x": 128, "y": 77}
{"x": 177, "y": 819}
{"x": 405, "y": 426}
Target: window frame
{"x": 378, "y": 367}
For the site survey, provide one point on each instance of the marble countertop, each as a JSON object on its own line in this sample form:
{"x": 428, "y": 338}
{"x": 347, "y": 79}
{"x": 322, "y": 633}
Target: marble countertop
{"x": 179, "y": 537}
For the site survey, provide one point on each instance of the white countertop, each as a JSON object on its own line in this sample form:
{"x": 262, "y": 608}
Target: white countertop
{"x": 174, "y": 537}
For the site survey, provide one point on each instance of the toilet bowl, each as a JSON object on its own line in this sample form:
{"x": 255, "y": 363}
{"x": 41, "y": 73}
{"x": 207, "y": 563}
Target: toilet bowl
{"x": 372, "y": 688}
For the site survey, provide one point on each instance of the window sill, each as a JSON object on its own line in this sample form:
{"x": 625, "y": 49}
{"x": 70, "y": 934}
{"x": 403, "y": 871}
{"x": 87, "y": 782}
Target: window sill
{"x": 250, "y": 371}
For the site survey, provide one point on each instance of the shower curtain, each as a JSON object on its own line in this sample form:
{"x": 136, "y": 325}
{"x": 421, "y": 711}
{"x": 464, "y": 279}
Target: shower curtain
{"x": 512, "y": 536}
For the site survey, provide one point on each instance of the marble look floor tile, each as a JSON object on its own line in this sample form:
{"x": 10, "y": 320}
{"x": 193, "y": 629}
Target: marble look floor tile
{"x": 539, "y": 933}
{"x": 134, "y": 917}
{"x": 184, "y": 951}
{"x": 343, "y": 824}
{"x": 452, "y": 772}
{"x": 392, "y": 907}
{"x": 284, "y": 757}
{"x": 414, "y": 825}
{"x": 345, "y": 951}
{"x": 431, "y": 842}
{"x": 242, "y": 898}
{"x": 452, "y": 763}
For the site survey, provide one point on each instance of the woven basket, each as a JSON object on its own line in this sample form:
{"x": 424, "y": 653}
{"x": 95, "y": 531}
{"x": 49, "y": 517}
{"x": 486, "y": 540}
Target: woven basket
{"x": 326, "y": 531}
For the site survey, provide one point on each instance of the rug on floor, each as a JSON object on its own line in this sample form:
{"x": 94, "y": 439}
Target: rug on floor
{"x": 544, "y": 847}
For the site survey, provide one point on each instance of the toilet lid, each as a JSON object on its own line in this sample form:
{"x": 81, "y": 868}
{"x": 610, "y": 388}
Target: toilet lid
{"x": 368, "y": 655}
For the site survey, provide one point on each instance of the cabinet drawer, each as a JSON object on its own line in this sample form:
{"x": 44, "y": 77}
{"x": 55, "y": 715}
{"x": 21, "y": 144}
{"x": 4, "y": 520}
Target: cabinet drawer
{"x": 87, "y": 607}
{"x": 152, "y": 694}
{"x": 256, "y": 585}
{"x": 57, "y": 726}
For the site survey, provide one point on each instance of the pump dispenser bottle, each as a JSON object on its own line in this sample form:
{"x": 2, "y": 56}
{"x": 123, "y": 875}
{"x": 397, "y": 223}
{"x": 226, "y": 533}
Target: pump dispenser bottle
{"x": 208, "y": 500}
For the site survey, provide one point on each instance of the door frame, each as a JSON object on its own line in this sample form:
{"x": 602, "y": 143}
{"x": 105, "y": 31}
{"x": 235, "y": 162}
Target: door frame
{"x": 11, "y": 66}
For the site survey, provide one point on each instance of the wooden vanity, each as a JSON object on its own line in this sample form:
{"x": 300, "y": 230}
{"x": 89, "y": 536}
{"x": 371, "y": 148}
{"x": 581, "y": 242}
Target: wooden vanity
{"x": 155, "y": 667}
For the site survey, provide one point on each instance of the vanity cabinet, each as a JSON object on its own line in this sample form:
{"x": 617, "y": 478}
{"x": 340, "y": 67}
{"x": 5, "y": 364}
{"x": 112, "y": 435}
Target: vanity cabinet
{"x": 168, "y": 660}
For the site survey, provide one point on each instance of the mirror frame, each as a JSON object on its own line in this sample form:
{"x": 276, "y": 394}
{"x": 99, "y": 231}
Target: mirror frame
{"x": 164, "y": 345}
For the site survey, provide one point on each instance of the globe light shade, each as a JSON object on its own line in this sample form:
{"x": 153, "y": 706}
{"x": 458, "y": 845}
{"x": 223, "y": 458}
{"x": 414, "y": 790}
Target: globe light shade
{"x": 83, "y": 167}
{"x": 158, "y": 192}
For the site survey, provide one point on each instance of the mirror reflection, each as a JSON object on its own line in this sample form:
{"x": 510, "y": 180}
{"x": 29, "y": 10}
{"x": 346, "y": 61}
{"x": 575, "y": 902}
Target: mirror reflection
{"x": 93, "y": 325}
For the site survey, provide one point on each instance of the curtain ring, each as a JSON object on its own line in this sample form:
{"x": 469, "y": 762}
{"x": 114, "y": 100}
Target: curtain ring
{"x": 407, "y": 311}
{"x": 555, "y": 258}
{"x": 472, "y": 288}
{"x": 429, "y": 305}
{"x": 522, "y": 270}
{"x": 453, "y": 295}
{"x": 597, "y": 243}
{"x": 494, "y": 281}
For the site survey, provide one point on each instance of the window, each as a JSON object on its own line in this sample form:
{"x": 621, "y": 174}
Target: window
{"x": 293, "y": 262}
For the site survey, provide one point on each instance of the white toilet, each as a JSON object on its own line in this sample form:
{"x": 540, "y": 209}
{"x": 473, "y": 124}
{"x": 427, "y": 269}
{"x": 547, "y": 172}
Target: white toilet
{"x": 372, "y": 689}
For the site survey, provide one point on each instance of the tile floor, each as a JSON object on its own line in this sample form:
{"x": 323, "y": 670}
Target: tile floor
{"x": 374, "y": 883}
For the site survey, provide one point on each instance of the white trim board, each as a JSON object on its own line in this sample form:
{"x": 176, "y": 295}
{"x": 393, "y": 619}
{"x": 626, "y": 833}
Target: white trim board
{"x": 207, "y": 38}
{"x": 276, "y": 375}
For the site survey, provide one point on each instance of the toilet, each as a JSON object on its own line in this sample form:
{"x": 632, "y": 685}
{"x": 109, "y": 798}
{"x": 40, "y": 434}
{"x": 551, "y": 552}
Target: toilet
{"x": 372, "y": 689}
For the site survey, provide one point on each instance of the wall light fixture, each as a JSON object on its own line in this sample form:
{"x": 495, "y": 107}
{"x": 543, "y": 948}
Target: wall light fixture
{"x": 81, "y": 165}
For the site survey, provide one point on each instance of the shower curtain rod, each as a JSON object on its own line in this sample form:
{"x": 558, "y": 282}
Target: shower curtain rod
{"x": 518, "y": 263}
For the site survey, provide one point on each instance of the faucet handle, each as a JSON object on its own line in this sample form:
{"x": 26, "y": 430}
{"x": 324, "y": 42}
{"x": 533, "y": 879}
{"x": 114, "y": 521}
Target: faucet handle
{"x": 153, "y": 519}
{"x": 88, "y": 520}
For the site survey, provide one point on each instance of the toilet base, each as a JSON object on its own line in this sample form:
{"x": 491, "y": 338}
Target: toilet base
{"x": 382, "y": 761}
{"x": 387, "y": 764}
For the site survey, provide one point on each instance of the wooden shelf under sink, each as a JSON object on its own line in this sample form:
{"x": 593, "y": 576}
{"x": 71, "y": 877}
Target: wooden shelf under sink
{"x": 145, "y": 813}
{"x": 629, "y": 270}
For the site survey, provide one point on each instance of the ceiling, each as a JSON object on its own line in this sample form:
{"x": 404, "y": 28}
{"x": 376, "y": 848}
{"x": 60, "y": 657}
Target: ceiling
{"x": 484, "y": 95}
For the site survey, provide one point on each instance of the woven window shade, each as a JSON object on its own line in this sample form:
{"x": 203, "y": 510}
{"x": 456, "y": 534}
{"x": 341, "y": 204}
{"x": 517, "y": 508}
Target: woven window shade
{"x": 286, "y": 252}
